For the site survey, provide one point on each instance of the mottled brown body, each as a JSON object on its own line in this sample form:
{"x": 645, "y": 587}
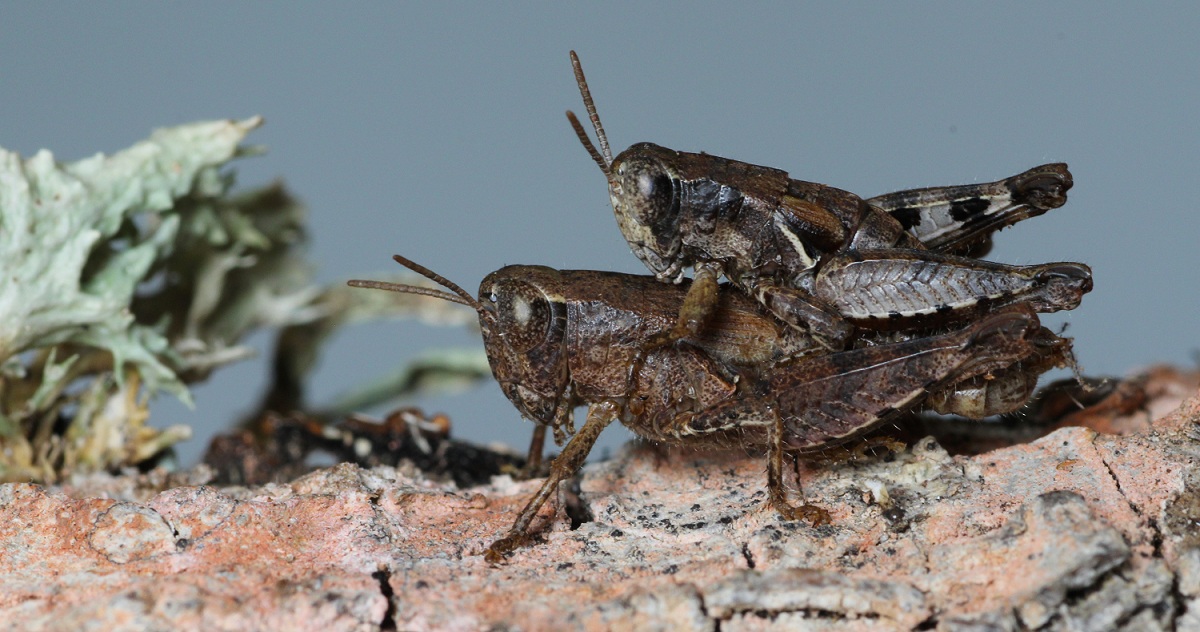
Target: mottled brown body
{"x": 561, "y": 339}
{"x": 823, "y": 259}
{"x": 594, "y": 327}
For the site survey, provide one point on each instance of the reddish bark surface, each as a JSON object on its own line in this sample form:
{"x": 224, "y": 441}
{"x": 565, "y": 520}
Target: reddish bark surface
{"x": 1075, "y": 530}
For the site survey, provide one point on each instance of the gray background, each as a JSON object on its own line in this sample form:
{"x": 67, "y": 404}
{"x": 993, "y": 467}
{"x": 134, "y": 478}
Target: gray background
{"x": 437, "y": 131}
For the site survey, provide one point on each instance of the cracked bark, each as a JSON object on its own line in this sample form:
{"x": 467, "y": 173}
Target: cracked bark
{"x": 1075, "y": 530}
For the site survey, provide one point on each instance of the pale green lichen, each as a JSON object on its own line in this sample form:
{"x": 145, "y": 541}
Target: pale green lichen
{"x": 128, "y": 275}
{"x": 78, "y": 241}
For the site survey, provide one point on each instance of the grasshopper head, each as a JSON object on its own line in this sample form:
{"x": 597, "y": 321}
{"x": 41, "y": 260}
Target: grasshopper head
{"x": 645, "y": 197}
{"x": 524, "y": 325}
{"x": 643, "y": 189}
{"x": 524, "y": 330}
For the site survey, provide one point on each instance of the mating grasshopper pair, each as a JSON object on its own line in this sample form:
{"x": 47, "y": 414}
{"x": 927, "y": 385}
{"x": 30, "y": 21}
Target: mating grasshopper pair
{"x": 840, "y": 314}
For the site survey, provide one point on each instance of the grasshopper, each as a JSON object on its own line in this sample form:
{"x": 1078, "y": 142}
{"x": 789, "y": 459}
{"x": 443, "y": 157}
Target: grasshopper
{"x": 556, "y": 340}
{"x": 821, "y": 258}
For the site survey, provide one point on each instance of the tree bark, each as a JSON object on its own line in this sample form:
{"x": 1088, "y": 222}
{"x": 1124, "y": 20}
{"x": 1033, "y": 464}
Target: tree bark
{"x": 1078, "y": 530}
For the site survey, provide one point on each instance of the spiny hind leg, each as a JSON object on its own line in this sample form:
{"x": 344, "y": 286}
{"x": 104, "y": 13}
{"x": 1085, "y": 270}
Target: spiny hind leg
{"x": 889, "y": 289}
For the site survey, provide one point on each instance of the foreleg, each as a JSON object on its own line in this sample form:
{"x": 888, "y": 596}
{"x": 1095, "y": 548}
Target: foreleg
{"x": 563, "y": 467}
{"x": 537, "y": 446}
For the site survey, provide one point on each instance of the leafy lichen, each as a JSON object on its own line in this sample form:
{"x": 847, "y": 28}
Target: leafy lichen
{"x": 138, "y": 273}
{"x": 78, "y": 242}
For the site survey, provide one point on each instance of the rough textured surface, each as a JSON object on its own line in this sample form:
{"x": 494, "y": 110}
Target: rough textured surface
{"x": 1075, "y": 530}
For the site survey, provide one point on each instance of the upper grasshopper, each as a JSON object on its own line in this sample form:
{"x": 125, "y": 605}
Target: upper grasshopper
{"x": 821, "y": 258}
{"x": 556, "y": 340}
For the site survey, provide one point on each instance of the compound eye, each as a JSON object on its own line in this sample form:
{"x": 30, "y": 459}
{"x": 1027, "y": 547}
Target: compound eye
{"x": 650, "y": 190}
{"x": 524, "y": 314}
{"x": 653, "y": 185}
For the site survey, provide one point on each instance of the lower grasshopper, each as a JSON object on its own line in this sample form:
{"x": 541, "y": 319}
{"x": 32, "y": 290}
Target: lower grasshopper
{"x": 556, "y": 340}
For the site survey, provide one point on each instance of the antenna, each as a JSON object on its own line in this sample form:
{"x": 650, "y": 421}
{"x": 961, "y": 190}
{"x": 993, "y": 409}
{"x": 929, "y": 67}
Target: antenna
{"x": 603, "y": 159}
{"x": 459, "y": 295}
